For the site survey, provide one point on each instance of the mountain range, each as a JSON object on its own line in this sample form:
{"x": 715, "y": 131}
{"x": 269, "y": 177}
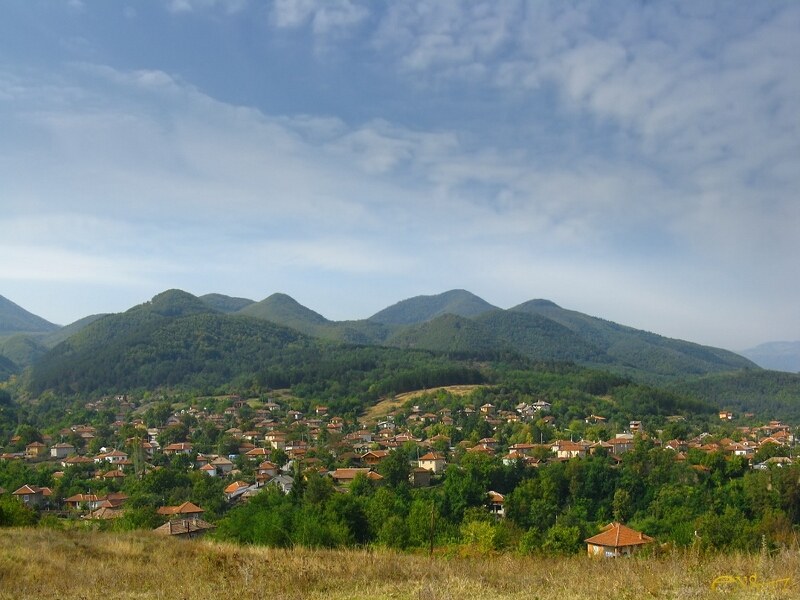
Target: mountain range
{"x": 778, "y": 356}
{"x": 457, "y": 323}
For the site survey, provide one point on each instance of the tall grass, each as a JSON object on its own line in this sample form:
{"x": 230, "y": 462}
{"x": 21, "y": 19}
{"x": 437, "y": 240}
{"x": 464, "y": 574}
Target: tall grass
{"x": 43, "y": 564}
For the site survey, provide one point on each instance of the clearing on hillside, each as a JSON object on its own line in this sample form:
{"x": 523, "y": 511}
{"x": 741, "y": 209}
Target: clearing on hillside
{"x": 389, "y": 405}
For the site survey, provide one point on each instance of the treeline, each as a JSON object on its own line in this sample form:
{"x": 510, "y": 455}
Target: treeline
{"x": 714, "y": 504}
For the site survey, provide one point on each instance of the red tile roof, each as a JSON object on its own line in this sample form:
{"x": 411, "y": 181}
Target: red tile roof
{"x": 617, "y": 535}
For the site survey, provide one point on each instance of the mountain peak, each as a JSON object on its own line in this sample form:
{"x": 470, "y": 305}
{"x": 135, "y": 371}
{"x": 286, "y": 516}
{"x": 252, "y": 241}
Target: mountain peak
{"x": 424, "y": 308}
{"x": 175, "y": 303}
{"x": 284, "y": 310}
{"x": 15, "y": 319}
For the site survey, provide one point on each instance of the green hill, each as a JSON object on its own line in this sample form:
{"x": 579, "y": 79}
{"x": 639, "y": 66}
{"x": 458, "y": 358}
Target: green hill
{"x": 424, "y": 308}
{"x": 7, "y": 368}
{"x": 23, "y": 349}
{"x": 541, "y": 338}
{"x": 772, "y": 393}
{"x": 225, "y": 304}
{"x": 15, "y": 319}
{"x": 640, "y": 352}
{"x": 285, "y": 310}
{"x": 452, "y": 334}
{"x": 177, "y": 341}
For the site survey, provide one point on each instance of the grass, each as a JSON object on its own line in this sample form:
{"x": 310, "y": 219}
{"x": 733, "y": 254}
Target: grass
{"x": 389, "y": 405}
{"x": 43, "y": 564}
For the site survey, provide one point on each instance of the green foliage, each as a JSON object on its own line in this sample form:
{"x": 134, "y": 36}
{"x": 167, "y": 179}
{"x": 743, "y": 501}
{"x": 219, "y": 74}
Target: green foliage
{"x": 15, "y": 514}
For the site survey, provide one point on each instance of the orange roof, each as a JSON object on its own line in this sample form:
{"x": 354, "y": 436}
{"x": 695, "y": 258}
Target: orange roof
{"x": 235, "y": 486}
{"x": 183, "y": 509}
{"x": 616, "y": 535}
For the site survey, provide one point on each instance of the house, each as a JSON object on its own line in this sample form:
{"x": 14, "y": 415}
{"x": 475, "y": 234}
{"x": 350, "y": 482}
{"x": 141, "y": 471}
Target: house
{"x": 496, "y": 501}
{"x": 113, "y": 456}
{"x": 31, "y": 495}
{"x": 346, "y": 476}
{"x": 35, "y": 450}
{"x": 432, "y": 461}
{"x": 568, "y": 449}
{"x": 374, "y": 457}
{"x": 62, "y": 450}
{"x": 235, "y": 489}
{"x": 420, "y": 477}
{"x": 184, "y": 528}
{"x": 615, "y": 539}
{"x": 178, "y": 448}
{"x": 222, "y": 466}
{"x": 184, "y": 511}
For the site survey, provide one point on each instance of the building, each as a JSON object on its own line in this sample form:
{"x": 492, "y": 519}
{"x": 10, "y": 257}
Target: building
{"x": 615, "y": 539}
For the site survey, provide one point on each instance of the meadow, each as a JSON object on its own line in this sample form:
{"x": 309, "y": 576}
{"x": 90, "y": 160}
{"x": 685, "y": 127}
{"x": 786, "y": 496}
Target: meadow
{"x": 42, "y": 563}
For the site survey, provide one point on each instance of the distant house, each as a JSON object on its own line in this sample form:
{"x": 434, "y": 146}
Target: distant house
{"x": 35, "y": 450}
{"x": 496, "y": 503}
{"x": 32, "y": 496}
{"x": 187, "y": 510}
{"x": 374, "y": 457}
{"x": 346, "y": 476}
{"x": 184, "y": 528}
{"x": 178, "y": 448}
{"x": 420, "y": 477}
{"x": 62, "y": 450}
{"x": 432, "y": 461}
{"x": 615, "y": 539}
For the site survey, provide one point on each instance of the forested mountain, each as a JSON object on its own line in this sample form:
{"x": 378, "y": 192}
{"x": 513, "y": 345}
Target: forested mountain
{"x": 778, "y": 356}
{"x": 424, "y": 308}
{"x": 760, "y": 391}
{"x": 176, "y": 340}
{"x": 56, "y": 337}
{"x": 15, "y": 319}
{"x": 225, "y": 304}
{"x": 23, "y": 349}
{"x": 452, "y": 334}
{"x": 538, "y": 330}
{"x": 637, "y": 351}
{"x": 285, "y": 310}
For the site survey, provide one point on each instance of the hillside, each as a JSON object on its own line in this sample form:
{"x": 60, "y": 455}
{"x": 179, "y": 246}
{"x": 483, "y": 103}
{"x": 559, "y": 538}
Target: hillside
{"x": 452, "y": 334}
{"x": 175, "y": 340}
{"x": 225, "y": 304}
{"x": 285, "y": 310}
{"x": 639, "y": 352}
{"x": 110, "y": 565}
{"x": 759, "y": 391}
{"x": 23, "y": 349}
{"x": 56, "y": 337}
{"x": 424, "y": 308}
{"x": 778, "y": 356}
{"x": 15, "y": 319}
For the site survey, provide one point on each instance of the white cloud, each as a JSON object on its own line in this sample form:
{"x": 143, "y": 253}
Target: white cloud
{"x": 324, "y": 16}
{"x": 188, "y": 6}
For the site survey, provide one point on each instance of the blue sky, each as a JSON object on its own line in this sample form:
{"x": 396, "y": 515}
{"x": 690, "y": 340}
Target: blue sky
{"x": 635, "y": 161}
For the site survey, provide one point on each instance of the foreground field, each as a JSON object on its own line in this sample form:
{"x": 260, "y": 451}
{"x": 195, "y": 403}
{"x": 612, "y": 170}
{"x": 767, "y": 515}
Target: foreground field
{"x": 41, "y": 564}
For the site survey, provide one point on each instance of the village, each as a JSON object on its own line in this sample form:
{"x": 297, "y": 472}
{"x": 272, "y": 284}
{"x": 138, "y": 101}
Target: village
{"x": 264, "y": 444}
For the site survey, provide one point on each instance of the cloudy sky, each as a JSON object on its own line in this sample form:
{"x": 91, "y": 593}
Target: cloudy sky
{"x": 638, "y": 162}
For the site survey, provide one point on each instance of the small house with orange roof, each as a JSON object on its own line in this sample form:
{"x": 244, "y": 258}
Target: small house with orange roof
{"x": 616, "y": 539}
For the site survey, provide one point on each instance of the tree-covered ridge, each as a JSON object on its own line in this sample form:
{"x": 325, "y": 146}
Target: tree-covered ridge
{"x": 15, "y": 319}
{"x": 757, "y": 391}
{"x": 285, "y": 310}
{"x": 453, "y": 334}
{"x": 424, "y": 308}
{"x": 225, "y": 304}
{"x": 642, "y": 351}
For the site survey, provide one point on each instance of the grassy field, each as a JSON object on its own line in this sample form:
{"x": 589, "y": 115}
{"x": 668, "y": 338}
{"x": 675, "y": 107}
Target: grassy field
{"x": 43, "y": 564}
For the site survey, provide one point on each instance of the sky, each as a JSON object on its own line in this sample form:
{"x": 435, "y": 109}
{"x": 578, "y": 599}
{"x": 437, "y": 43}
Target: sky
{"x": 635, "y": 161}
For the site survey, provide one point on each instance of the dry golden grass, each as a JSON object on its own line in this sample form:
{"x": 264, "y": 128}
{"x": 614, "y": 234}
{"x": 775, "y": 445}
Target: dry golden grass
{"x": 389, "y": 405}
{"x": 43, "y": 564}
